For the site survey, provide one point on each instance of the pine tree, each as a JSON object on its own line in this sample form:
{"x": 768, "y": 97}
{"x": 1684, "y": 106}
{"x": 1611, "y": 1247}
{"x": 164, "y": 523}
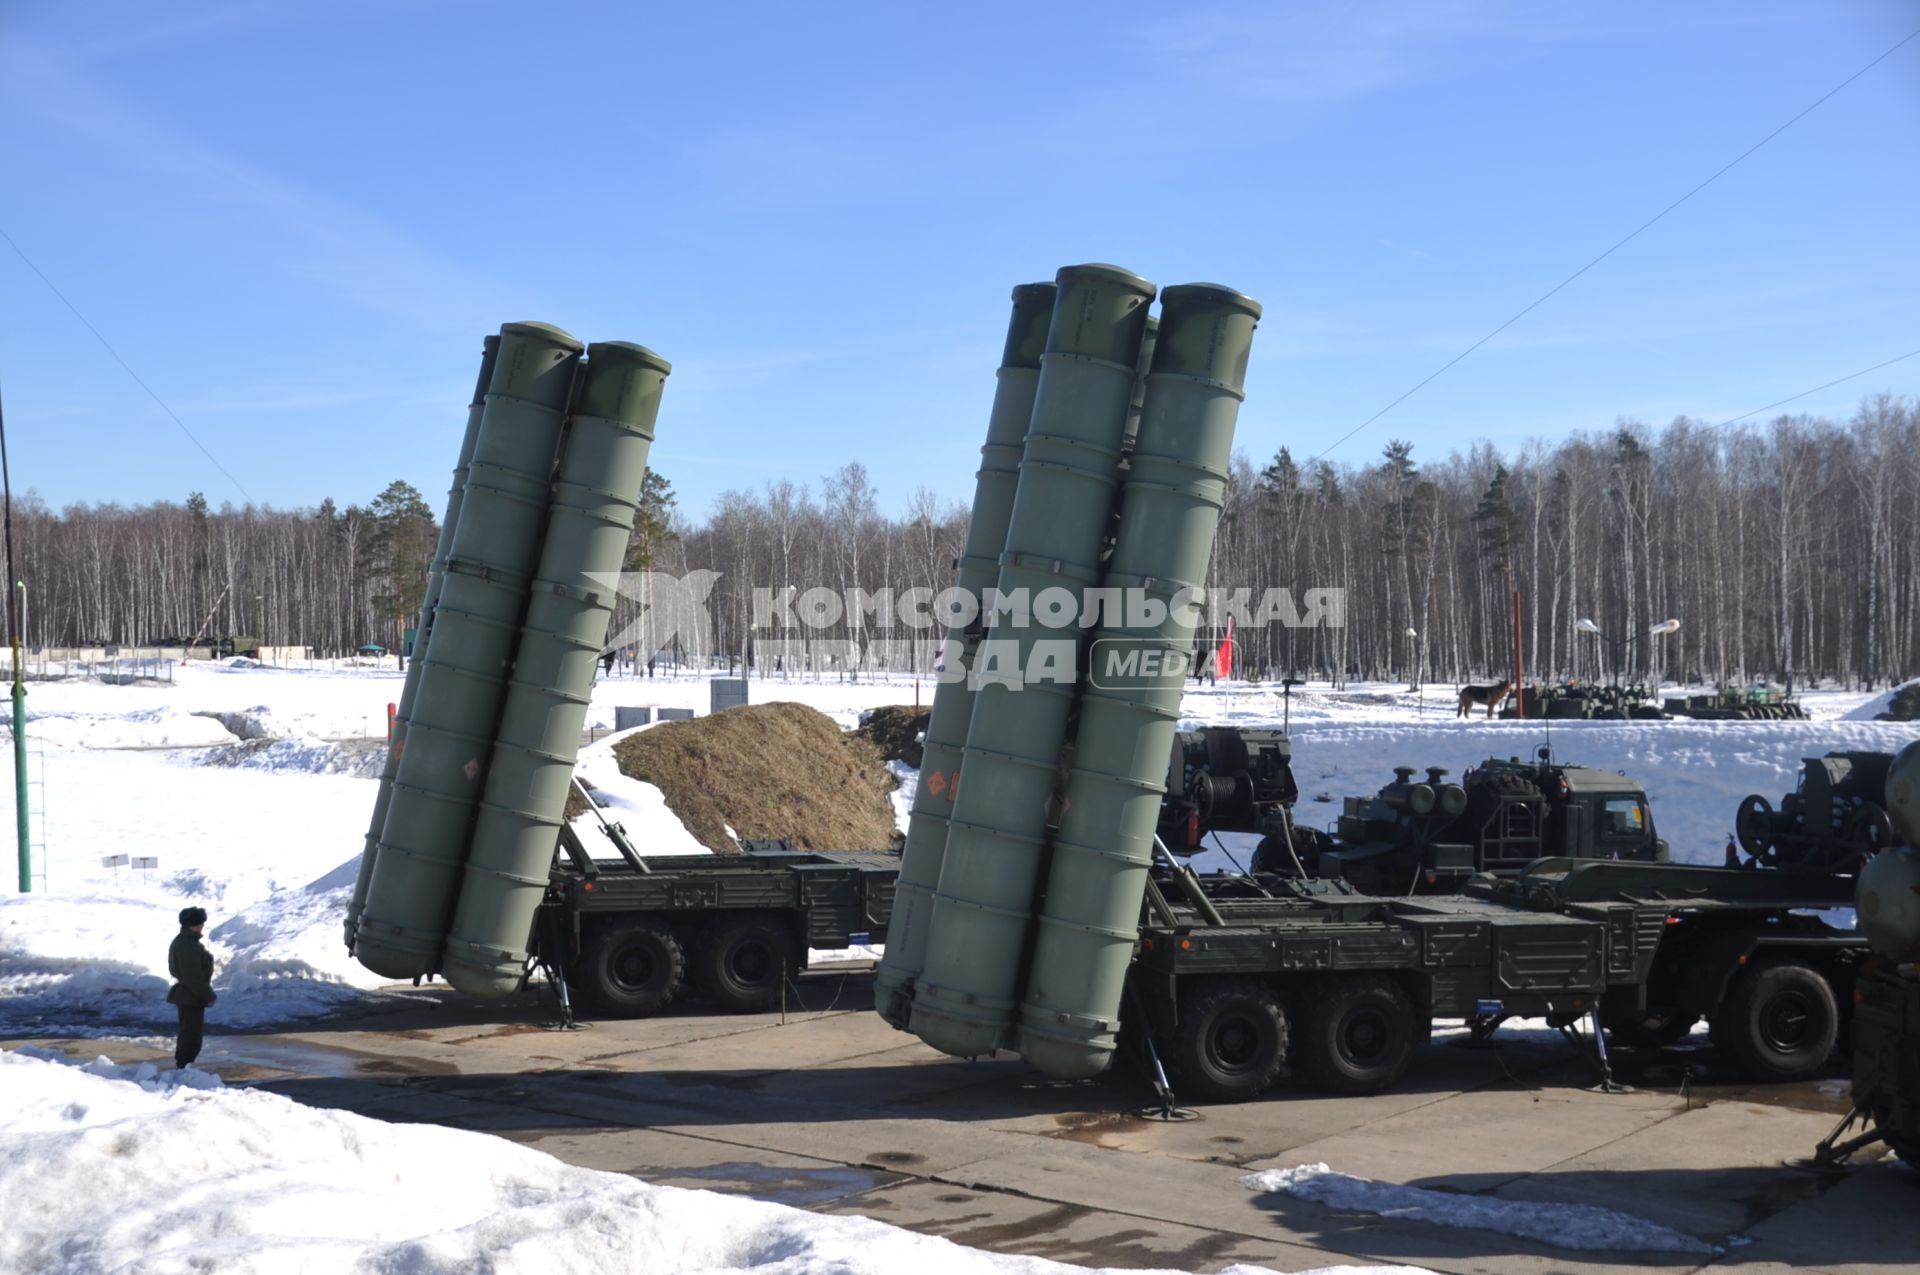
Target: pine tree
{"x": 399, "y": 552}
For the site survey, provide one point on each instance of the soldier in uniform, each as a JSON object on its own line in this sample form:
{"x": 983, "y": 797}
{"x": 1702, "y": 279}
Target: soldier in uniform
{"x": 191, "y": 965}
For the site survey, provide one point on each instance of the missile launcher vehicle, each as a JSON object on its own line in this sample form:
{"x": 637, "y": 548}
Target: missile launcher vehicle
{"x": 1429, "y": 835}
{"x": 1886, "y": 1012}
{"x": 1036, "y": 907}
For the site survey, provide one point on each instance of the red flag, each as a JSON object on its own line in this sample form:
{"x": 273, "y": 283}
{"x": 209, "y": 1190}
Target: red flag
{"x": 1223, "y": 658}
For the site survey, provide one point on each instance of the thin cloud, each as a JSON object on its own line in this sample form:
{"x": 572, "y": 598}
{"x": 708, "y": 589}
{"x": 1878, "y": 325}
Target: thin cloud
{"x": 324, "y": 243}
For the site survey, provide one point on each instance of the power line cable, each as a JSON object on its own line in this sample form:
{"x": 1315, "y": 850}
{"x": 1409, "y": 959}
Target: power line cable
{"x": 1623, "y": 242}
{"x": 1841, "y": 380}
{"x": 108, "y": 346}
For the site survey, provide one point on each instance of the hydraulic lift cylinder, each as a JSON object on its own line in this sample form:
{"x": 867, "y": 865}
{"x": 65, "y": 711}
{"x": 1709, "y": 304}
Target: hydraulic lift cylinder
{"x": 1137, "y": 669}
{"x": 1025, "y": 671}
{"x": 476, "y": 628}
{"x": 410, "y": 687}
{"x": 978, "y": 571}
{"x": 596, "y": 495}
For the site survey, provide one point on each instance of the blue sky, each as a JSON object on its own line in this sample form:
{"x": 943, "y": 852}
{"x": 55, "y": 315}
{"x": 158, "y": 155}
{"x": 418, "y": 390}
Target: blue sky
{"x": 296, "y": 221}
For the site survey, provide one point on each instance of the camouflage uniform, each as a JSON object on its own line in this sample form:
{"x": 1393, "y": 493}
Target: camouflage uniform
{"x": 191, "y": 965}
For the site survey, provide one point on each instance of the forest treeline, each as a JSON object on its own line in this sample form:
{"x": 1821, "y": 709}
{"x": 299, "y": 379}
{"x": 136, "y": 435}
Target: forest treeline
{"x": 1789, "y": 549}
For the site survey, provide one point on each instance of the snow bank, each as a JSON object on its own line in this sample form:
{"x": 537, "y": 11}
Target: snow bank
{"x": 148, "y": 728}
{"x": 298, "y": 755}
{"x": 109, "y": 1172}
{"x": 258, "y": 722}
{"x": 1577, "y": 1226}
{"x": 96, "y": 964}
{"x": 1871, "y": 710}
{"x": 634, "y": 804}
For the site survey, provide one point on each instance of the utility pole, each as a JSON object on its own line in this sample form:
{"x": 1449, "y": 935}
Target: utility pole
{"x": 16, "y": 614}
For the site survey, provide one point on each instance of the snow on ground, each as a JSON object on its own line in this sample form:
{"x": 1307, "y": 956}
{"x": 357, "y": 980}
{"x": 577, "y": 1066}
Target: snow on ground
{"x": 1575, "y": 1226}
{"x": 121, "y": 1169}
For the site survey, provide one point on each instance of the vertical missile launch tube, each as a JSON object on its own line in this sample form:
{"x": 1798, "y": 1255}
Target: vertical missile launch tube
{"x": 979, "y": 570}
{"x": 410, "y": 688}
{"x": 476, "y": 629}
{"x": 1169, "y": 511}
{"x": 596, "y": 494}
{"x": 964, "y": 1000}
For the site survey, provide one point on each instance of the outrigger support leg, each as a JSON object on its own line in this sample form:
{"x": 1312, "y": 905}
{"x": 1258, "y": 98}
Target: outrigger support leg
{"x": 1600, "y": 1058}
{"x": 1169, "y": 1108}
{"x": 549, "y": 963}
{"x": 1832, "y": 1154}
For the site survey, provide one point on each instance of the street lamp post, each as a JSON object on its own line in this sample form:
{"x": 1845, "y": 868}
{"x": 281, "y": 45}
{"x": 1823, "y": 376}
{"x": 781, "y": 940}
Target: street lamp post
{"x": 1617, "y": 645}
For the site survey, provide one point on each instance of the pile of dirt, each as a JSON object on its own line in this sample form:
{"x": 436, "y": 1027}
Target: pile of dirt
{"x": 767, "y": 770}
{"x": 896, "y": 730}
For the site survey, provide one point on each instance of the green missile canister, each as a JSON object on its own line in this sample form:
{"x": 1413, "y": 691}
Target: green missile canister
{"x": 409, "y": 689}
{"x": 476, "y": 628}
{"x": 964, "y": 1000}
{"x": 1136, "y": 671}
{"x": 596, "y": 494}
{"x": 978, "y": 571}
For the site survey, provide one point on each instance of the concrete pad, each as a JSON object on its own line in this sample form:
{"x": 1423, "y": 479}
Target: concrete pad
{"x": 835, "y": 1110}
{"x": 1713, "y": 1171}
{"x": 1000, "y": 1223}
{"x": 1863, "y": 1222}
{"x": 668, "y": 1159}
{"x": 1512, "y": 1134}
{"x": 1167, "y": 1190}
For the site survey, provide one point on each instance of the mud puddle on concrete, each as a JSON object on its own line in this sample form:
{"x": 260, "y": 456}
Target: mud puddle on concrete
{"x": 1698, "y": 1075}
{"x": 301, "y": 1058}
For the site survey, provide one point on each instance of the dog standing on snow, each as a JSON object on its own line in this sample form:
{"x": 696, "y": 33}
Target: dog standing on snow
{"x": 1492, "y": 696}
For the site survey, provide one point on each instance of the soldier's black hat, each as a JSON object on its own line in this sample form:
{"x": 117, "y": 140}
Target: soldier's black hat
{"x": 193, "y": 916}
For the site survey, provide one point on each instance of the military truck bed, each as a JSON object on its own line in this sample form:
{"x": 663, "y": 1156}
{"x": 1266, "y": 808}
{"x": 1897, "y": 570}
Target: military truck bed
{"x": 630, "y": 935}
{"x": 1232, "y": 985}
{"x": 837, "y": 899}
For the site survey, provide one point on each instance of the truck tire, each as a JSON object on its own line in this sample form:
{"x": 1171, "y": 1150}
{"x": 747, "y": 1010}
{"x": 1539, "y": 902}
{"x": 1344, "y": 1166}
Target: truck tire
{"x": 631, "y": 969}
{"x": 1779, "y": 1022}
{"x": 1357, "y": 1033}
{"x": 743, "y": 962}
{"x": 1232, "y": 1039}
{"x": 1655, "y": 1029}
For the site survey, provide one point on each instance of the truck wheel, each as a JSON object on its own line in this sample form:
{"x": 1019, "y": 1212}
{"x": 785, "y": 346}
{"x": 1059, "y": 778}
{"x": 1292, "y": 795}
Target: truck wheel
{"x": 1753, "y": 824}
{"x": 1232, "y": 1039}
{"x": 744, "y": 962}
{"x": 1356, "y": 1034}
{"x": 1779, "y": 1021}
{"x": 631, "y": 970}
{"x": 1655, "y": 1029}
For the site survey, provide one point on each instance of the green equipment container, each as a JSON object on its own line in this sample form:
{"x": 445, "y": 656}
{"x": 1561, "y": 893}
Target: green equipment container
{"x": 596, "y": 493}
{"x": 978, "y": 570}
{"x": 476, "y": 628}
{"x": 964, "y": 999}
{"x": 410, "y": 688}
{"x": 1169, "y": 510}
